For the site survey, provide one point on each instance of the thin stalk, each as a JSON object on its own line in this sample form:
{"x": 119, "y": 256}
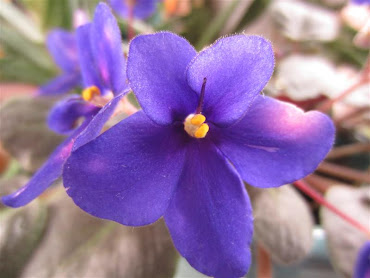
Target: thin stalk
{"x": 264, "y": 266}
{"x": 304, "y": 187}
{"x": 352, "y": 114}
{"x": 130, "y": 31}
{"x": 348, "y": 150}
{"x": 319, "y": 183}
{"x": 327, "y": 105}
{"x": 343, "y": 172}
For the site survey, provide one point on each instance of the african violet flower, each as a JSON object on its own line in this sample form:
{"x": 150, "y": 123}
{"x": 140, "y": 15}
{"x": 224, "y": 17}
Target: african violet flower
{"x": 63, "y": 48}
{"x": 361, "y": 2}
{"x": 140, "y": 8}
{"x": 362, "y": 267}
{"x": 204, "y": 129}
{"x": 103, "y": 69}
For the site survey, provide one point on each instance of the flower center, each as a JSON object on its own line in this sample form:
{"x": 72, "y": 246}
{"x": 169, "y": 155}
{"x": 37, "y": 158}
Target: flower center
{"x": 194, "y": 125}
{"x": 93, "y": 95}
{"x": 90, "y": 92}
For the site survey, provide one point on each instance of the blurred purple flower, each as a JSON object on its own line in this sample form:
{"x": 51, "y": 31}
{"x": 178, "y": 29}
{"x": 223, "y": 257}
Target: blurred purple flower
{"x": 63, "y": 48}
{"x": 362, "y": 267}
{"x": 140, "y": 8}
{"x": 103, "y": 68}
{"x": 204, "y": 129}
{"x": 361, "y": 2}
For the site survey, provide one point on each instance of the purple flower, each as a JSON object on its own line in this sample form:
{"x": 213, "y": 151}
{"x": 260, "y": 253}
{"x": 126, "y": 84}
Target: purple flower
{"x": 204, "y": 129}
{"x": 63, "y": 48}
{"x": 362, "y": 267}
{"x": 361, "y": 2}
{"x": 139, "y": 8}
{"x": 103, "y": 68}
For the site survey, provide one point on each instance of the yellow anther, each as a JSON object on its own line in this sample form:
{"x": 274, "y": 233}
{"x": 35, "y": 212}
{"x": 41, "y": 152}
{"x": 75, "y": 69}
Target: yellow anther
{"x": 198, "y": 119}
{"x": 90, "y": 92}
{"x": 202, "y": 131}
{"x": 194, "y": 125}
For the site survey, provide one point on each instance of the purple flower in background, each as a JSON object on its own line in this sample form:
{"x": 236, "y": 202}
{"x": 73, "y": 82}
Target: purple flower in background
{"x": 63, "y": 48}
{"x": 139, "y": 8}
{"x": 361, "y": 2}
{"x": 103, "y": 68}
{"x": 362, "y": 267}
{"x": 204, "y": 129}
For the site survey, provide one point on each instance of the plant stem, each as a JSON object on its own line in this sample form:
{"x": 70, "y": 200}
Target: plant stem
{"x": 343, "y": 172}
{"x": 264, "y": 266}
{"x": 327, "y": 105}
{"x": 319, "y": 183}
{"x": 348, "y": 150}
{"x": 304, "y": 187}
{"x": 352, "y": 114}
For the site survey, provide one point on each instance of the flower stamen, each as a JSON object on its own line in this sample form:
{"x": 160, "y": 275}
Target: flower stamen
{"x": 90, "y": 92}
{"x": 194, "y": 125}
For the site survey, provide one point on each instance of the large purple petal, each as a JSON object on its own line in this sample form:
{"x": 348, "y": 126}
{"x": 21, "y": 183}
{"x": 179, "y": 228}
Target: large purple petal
{"x": 45, "y": 176}
{"x": 61, "y": 84}
{"x": 63, "y": 117}
{"x": 142, "y": 8}
{"x": 95, "y": 126}
{"x": 62, "y": 46}
{"x": 362, "y": 266}
{"x": 89, "y": 71}
{"x": 127, "y": 174}
{"x": 156, "y": 70}
{"x": 275, "y": 143}
{"x": 210, "y": 216}
{"x": 237, "y": 68}
{"x": 105, "y": 39}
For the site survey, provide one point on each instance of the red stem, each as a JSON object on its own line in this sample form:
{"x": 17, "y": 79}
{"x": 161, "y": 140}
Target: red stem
{"x": 131, "y": 31}
{"x": 326, "y": 106}
{"x": 304, "y": 187}
{"x": 264, "y": 266}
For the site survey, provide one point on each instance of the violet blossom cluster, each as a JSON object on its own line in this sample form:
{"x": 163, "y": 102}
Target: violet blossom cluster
{"x": 204, "y": 130}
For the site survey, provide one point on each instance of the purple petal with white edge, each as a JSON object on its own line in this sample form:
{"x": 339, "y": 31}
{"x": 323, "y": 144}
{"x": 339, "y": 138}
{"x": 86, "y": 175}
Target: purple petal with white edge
{"x": 210, "y": 216}
{"x": 62, "y": 46}
{"x": 275, "y": 143}
{"x": 45, "y": 176}
{"x": 97, "y": 123}
{"x": 127, "y": 174}
{"x": 156, "y": 69}
{"x": 61, "y": 84}
{"x": 106, "y": 43}
{"x": 89, "y": 71}
{"x": 237, "y": 68}
{"x": 64, "y": 115}
{"x": 362, "y": 266}
{"x": 142, "y": 8}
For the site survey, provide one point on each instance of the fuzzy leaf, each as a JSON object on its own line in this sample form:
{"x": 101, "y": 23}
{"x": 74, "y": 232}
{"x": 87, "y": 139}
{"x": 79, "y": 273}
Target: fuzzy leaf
{"x": 20, "y": 232}
{"x": 282, "y": 223}
{"x": 344, "y": 240}
{"x": 24, "y": 133}
{"x": 79, "y": 245}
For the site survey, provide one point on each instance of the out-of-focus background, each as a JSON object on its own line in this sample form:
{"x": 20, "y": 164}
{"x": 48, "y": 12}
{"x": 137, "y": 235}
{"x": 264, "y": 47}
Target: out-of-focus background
{"x": 321, "y": 51}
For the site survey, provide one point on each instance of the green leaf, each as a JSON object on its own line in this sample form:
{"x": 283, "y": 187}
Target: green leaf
{"x": 24, "y": 48}
{"x": 215, "y": 26}
{"x": 254, "y": 11}
{"x": 14, "y": 68}
{"x": 58, "y": 14}
{"x": 21, "y": 22}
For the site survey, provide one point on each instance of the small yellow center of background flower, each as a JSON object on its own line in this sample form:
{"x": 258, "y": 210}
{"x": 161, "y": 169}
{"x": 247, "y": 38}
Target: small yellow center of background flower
{"x": 194, "y": 125}
{"x": 90, "y": 92}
